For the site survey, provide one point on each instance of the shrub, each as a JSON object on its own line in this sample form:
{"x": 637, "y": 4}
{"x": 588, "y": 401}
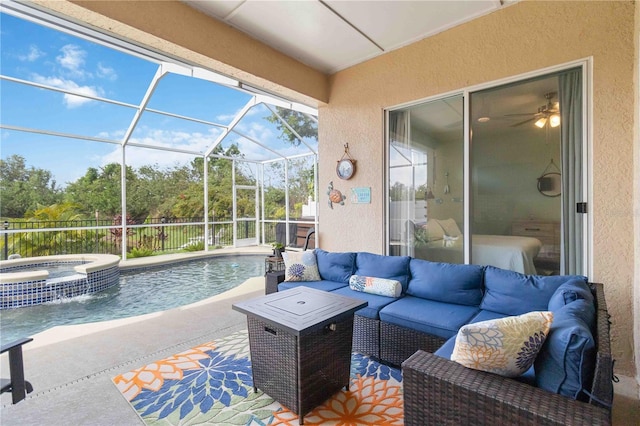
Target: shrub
{"x": 194, "y": 246}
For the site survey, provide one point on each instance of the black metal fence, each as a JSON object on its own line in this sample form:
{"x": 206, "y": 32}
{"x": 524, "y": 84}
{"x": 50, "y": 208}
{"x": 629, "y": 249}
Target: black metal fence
{"x": 157, "y": 235}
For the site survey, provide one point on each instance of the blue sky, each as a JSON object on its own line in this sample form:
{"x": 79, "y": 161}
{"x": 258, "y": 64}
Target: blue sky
{"x": 43, "y": 55}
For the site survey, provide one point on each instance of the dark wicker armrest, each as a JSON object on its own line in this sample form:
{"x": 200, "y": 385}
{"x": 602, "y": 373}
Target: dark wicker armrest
{"x": 439, "y": 391}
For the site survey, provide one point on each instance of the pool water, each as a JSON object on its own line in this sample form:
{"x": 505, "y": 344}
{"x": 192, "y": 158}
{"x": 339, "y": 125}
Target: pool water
{"x": 56, "y": 270}
{"x": 137, "y": 293}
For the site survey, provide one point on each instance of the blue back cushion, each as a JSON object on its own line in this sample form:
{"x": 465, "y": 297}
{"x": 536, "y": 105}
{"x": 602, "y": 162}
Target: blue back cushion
{"x": 446, "y": 282}
{"x": 513, "y": 293}
{"x": 335, "y": 266}
{"x": 375, "y": 265}
{"x": 567, "y": 358}
{"x": 568, "y": 292}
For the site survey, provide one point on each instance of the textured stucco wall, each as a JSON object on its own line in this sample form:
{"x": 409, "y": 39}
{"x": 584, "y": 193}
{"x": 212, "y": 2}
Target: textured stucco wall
{"x": 520, "y": 38}
{"x": 173, "y": 27}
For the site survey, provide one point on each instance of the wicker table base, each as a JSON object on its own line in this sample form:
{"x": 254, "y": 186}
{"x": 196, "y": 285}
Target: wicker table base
{"x": 300, "y": 373}
{"x": 300, "y": 343}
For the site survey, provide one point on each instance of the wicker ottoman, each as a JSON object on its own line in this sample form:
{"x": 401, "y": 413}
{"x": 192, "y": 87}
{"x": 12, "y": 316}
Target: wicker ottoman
{"x": 300, "y": 343}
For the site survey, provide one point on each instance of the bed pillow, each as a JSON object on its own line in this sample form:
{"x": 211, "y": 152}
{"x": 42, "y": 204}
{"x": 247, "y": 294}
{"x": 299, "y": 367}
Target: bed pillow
{"x": 506, "y": 346}
{"x": 300, "y": 266}
{"x": 450, "y": 227}
{"x": 373, "y": 285}
{"x": 433, "y": 230}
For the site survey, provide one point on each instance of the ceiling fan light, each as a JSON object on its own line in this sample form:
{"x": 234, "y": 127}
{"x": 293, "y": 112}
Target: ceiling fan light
{"x": 541, "y": 122}
{"x": 554, "y": 120}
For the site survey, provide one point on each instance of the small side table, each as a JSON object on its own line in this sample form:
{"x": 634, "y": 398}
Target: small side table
{"x": 273, "y": 273}
{"x": 271, "y": 280}
{"x": 300, "y": 343}
{"x": 273, "y": 263}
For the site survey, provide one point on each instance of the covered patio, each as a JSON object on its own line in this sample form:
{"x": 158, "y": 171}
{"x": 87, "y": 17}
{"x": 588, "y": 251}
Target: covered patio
{"x": 514, "y": 39}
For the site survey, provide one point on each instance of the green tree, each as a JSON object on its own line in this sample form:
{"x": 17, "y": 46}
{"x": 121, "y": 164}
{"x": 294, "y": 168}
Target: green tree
{"x": 305, "y": 126}
{"x": 23, "y": 188}
{"x": 301, "y": 181}
{"x": 100, "y": 190}
{"x": 52, "y": 242}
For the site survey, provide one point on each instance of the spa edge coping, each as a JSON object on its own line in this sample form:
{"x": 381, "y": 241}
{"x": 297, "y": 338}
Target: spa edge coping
{"x": 104, "y": 261}
{"x": 95, "y": 262}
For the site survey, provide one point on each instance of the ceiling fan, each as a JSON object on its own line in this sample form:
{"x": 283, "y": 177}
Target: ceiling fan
{"x": 549, "y": 113}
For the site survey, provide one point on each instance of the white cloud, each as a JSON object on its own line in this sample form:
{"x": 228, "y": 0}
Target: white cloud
{"x": 34, "y": 54}
{"x": 71, "y": 101}
{"x": 118, "y": 135}
{"x": 72, "y": 60}
{"x": 106, "y": 72}
{"x": 137, "y": 157}
{"x": 226, "y": 118}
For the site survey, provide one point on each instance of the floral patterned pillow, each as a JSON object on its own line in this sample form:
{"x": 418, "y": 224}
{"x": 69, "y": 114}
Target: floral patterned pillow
{"x": 506, "y": 346}
{"x": 373, "y": 285}
{"x": 300, "y": 266}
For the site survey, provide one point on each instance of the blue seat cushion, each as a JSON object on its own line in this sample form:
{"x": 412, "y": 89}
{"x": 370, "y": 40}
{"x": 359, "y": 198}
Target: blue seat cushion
{"x": 446, "y": 350}
{"x": 376, "y": 302}
{"x": 335, "y": 266}
{"x": 567, "y": 358}
{"x": 446, "y": 282}
{"x": 391, "y": 267}
{"x": 513, "y": 293}
{"x": 325, "y": 285}
{"x": 485, "y": 315}
{"x": 568, "y": 292}
{"x": 428, "y": 316}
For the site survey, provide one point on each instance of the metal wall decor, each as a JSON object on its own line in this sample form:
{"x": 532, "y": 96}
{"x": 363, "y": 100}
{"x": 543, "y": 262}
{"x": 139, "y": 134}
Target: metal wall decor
{"x": 335, "y": 196}
{"x": 550, "y": 181}
{"x": 346, "y": 167}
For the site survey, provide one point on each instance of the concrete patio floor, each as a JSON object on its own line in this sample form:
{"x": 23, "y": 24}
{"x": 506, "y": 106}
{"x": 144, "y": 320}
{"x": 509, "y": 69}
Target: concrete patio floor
{"x": 71, "y": 367}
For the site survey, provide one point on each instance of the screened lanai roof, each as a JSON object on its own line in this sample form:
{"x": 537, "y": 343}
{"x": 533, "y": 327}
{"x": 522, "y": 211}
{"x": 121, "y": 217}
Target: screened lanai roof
{"x": 70, "y": 86}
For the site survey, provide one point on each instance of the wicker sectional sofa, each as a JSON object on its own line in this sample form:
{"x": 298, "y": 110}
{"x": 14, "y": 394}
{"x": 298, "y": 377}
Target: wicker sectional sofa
{"x": 570, "y": 382}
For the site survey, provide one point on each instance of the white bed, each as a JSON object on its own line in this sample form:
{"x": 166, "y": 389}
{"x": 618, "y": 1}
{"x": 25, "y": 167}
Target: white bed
{"x": 503, "y": 251}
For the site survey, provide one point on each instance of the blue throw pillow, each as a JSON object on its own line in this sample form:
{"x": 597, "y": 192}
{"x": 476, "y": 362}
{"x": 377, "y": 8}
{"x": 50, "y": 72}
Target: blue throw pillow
{"x": 567, "y": 358}
{"x": 513, "y": 293}
{"x": 568, "y": 292}
{"x": 391, "y": 267}
{"x": 335, "y": 266}
{"x": 446, "y": 282}
{"x": 582, "y": 309}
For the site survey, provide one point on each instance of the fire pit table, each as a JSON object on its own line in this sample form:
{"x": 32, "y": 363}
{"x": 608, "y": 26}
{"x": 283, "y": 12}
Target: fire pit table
{"x": 300, "y": 344}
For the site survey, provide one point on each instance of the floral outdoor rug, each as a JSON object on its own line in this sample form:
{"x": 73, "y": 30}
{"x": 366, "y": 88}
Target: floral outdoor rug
{"x": 211, "y": 384}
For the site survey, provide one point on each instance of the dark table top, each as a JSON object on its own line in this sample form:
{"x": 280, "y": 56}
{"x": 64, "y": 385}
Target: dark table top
{"x": 300, "y": 310}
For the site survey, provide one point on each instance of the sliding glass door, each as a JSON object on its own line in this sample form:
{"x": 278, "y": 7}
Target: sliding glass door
{"x": 522, "y": 180}
{"x": 426, "y": 208}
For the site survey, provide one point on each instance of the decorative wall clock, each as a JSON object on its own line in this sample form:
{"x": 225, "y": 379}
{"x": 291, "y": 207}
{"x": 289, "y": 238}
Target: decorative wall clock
{"x": 346, "y": 167}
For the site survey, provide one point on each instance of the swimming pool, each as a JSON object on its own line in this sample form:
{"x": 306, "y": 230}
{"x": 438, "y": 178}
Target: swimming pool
{"x": 138, "y": 292}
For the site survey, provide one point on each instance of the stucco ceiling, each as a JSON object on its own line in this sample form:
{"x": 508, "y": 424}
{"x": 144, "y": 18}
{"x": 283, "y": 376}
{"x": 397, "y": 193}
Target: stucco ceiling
{"x": 331, "y": 35}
